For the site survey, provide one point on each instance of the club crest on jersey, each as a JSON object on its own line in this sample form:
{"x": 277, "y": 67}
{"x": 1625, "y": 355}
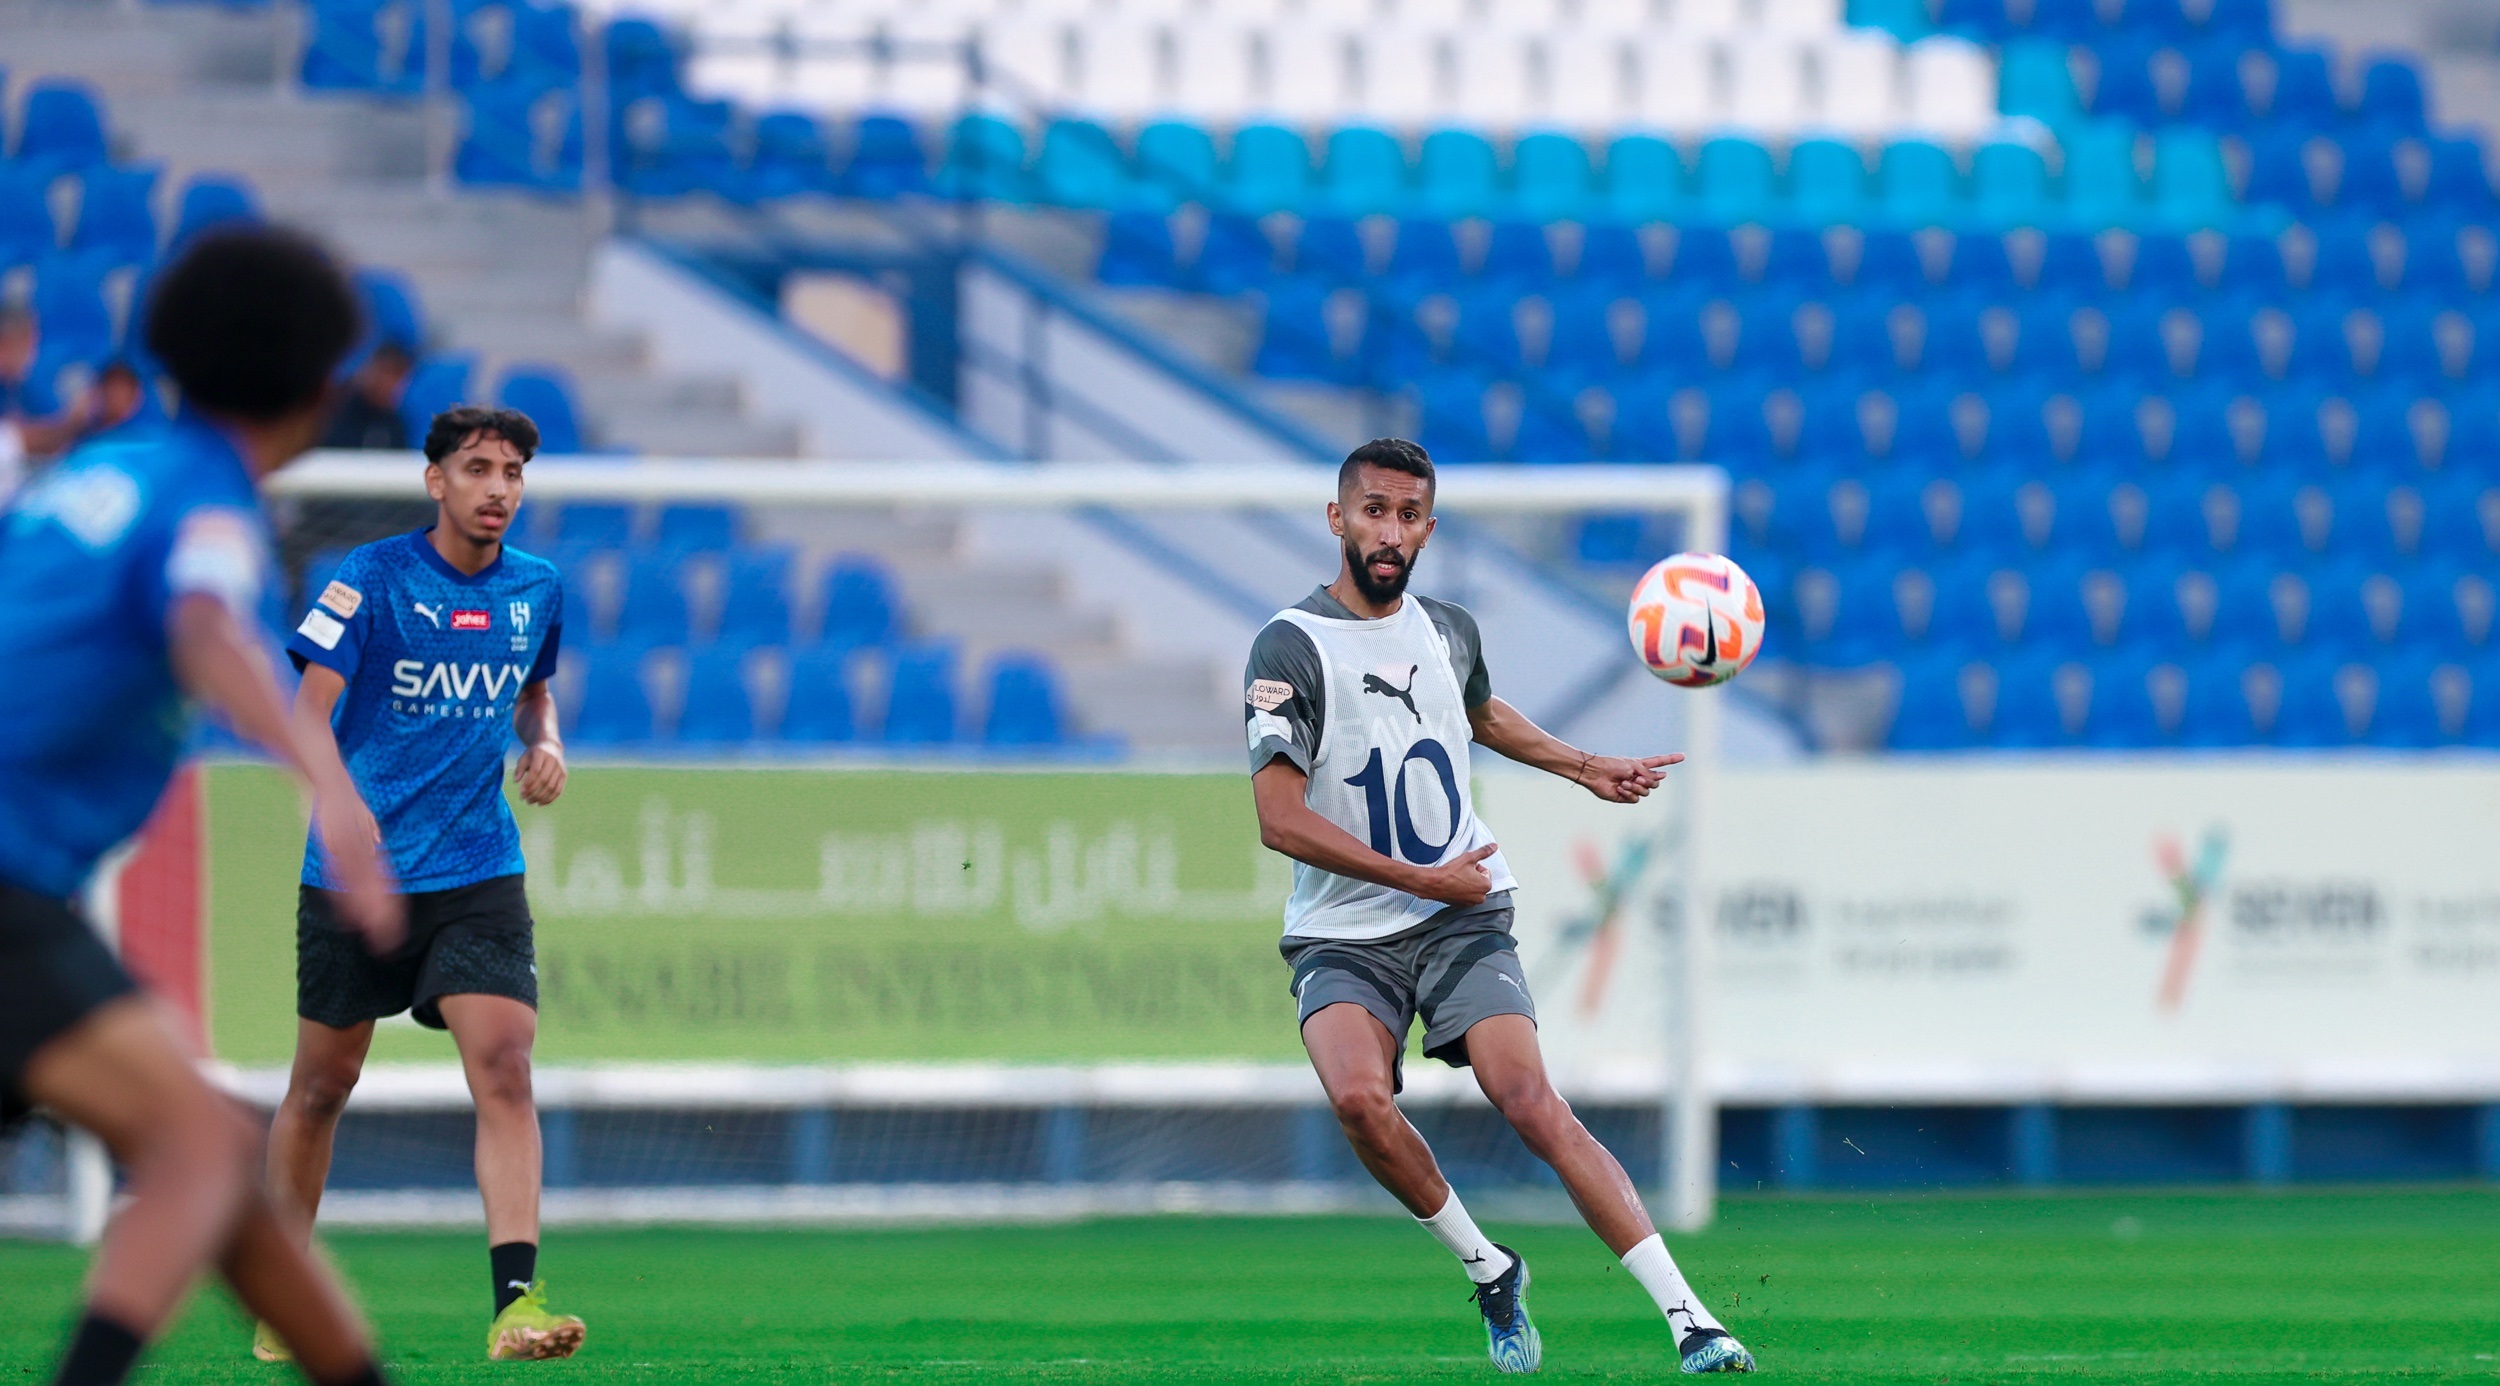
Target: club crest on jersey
{"x": 521, "y": 616}
{"x": 472, "y": 620}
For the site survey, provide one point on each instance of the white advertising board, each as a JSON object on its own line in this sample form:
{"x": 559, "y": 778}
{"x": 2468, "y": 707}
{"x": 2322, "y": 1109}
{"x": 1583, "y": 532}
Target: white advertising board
{"x": 2078, "y": 930}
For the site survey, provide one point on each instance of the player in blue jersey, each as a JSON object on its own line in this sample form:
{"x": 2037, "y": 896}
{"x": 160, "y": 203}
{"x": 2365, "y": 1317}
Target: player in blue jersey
{"x": 424, "y": 656}
{"x": 129, "y": 578}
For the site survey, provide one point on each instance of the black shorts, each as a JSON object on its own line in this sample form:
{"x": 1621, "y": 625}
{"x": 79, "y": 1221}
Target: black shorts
{"x": 54, "y": 973}
{"x": 469, "y": 940}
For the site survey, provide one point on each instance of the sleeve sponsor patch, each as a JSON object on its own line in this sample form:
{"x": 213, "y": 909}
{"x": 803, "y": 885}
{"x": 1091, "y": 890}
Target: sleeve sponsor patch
{"x": 341, "y": 598}
{"x": 322, "y": 628}
{"x": 217, "y": 552}
{"x": 1267, "y": 695}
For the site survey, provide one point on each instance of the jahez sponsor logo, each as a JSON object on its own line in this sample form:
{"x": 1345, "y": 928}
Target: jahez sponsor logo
{"x": 472, "y": 620}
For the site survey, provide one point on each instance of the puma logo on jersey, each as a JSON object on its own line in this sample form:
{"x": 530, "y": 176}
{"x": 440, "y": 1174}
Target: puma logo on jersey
{"x": 432, "y": 614}
{"x": 1374, "y": 683}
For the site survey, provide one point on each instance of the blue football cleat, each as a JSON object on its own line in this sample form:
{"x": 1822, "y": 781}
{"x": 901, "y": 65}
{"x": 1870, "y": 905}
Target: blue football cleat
{"x": 1509, "y": 1338}
{"x": 1712, "y": 1350}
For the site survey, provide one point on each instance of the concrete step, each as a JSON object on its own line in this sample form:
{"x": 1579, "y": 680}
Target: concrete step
{"x": 274, "y": 140}
{"x": 677, "y": 431}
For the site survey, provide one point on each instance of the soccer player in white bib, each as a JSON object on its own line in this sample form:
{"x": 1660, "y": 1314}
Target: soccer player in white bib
{"x": 1361, "y": 702}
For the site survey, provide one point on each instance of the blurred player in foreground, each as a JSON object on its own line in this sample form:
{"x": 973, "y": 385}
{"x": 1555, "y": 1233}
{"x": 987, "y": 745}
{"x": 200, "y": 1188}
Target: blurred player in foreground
{"x": 417, "y": 657}
{"x": 130, "y": 575}
{"x": 1361, "y": 704}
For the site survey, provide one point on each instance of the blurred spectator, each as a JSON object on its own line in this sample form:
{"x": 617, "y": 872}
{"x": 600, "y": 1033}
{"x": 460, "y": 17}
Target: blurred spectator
{"x": 369, "y": 416}
{"x": 118, "y": 398}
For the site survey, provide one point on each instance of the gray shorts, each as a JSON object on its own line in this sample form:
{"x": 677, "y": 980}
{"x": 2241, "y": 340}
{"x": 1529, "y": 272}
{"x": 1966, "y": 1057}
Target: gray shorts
{"x": 1454, "y": 969}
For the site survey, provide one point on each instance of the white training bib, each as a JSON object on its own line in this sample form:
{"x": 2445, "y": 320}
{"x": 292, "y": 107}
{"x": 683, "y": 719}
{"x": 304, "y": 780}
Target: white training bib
{"x": 1391, "y": 769}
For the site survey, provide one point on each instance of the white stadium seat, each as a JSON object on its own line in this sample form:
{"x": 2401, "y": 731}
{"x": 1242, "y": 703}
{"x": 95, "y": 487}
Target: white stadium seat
{"x": 1119, "y": 69}
{"x": 1627, "y": 17}
{"x": 1798, "y": 18}
{"x": 1704, "y": 19}
{"x": 1309, "y": 72}
{"x": 1214, "y": 75}
{"x": 1492, "y": 79}
{"x": 1445, "y": 16}
{"x": 1858, "y": 83}
{"x": 1030, "y": 58}
{"x": 1678, "y": 83}
{"x": 1766, "y": 85}
{"x": 1401, "y": 76}
{"x": 1587, "y": 81}
{"x": 1952, "y": 87}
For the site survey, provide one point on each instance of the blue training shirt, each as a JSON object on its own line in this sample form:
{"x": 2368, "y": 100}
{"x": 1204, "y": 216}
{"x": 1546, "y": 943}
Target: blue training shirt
{"x": 434, "y": 659}
{"x": 93, "y": 555}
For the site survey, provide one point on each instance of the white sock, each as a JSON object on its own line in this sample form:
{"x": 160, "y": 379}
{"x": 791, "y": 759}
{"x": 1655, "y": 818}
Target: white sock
{"x": 1655, "y": 1269}
{"x": 1451, "y": 1227}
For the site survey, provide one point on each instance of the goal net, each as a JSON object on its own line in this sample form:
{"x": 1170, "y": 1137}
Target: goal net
{"x": 907, "y": 868}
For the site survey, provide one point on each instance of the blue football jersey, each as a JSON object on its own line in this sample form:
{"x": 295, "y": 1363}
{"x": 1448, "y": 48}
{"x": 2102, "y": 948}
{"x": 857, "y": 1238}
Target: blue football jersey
{"x": 434, "y": 659}
{"x": 92, "y": 556}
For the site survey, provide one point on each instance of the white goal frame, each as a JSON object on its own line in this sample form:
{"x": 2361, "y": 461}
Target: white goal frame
{"x": 1687, "y": 1178}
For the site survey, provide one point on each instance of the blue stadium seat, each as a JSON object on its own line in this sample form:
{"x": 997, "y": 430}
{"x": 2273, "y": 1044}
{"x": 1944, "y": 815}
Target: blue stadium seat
{"x": 1365, "y": 172}
{"x": 390, "y": 304}
{"x": 2101, "y": 188}
{"x": 1611, "y": 253}
{"x": 2407, "y": 713}
{"x": 1177, "y": 164}
{"x": 819, "y": 707}
{"x": 984, "y": 159}
{"x": 1424, "y": 257}
{"x": 2033, "y": 80}
{"x": 2253, "y": 264}
{"x": 2190, "y": 186}
{"x": 1234, "y": 255}
{"x": 26, "y": 230}
{"x": 755, "y": 597}
{"x": 1454, "y": 425}
{"x": 2459, "y": 181}
{"x": 524, "y": 136}
{"x": 2010, "y": 185}
{"x": 1935, "y": 711}
{"x": 2124, "y": 89}
{"x": 1581, "y": 341}
{"x": 70, "y": 308}
{"x": 1082, "y": 165}
{"x": 2369, "y": 180}
{"x": 1889, "y": 263}
{"x": 116, "y": 216}
{"x": 1457, "y": 175}
{"x": 789, "y": 155}
{"x": 1644, "y": 179}
{"x": 886, "y": 159}
{"x": 2304, "y": 91}
{"x": 210, "y": 199}
{"x": 1918, "y": 182}
{"x": 1270, "y": 170}
{"x": 1518, "y": 253}
{"x": 2036, "y": 703}
{"x": 1798, "y": 262}
{"x": 676, "y": 145}
{"x": 365, "y": 45}
{"x": 1331, "y": 248}
{"x": 1551, "y": 178}
{"x": 1137, "y": 249}
{"x": 438, "y": 383}
{"x": 920, "y": 696}
{"x": 719, "y": 706}
{"x": 2391, "y": 96}
{"x": 1296, "y": 341}
{"x": 2240, "y": 22}
{"x": 686, "y": 527}
{"x": 2215, "y": 97}
{"x": 1705, "y": 258}
{"x": 1734, "y": 180}
{"x": 1486, "y": 335}
{"x": 1023, "y": 705}
{"x": 61, "y": 130}
{"x": 545, "y": 393}
{"x": 856, "y": 597}
{"x": 2126, "y": 710}
{"x": 616, "y": 702}
{"x": 654, "y": 611}
{"x": 641, "y": 61}
{"x": 1826, "y": 181}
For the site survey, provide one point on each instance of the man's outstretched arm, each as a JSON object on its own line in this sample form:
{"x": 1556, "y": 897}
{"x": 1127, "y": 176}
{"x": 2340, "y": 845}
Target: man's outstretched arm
{"x": 1617, "y": 779}
{"x": 1289, "y": 825}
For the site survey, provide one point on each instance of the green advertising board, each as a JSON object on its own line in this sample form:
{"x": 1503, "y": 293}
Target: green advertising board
{"x": 812, "y": 915}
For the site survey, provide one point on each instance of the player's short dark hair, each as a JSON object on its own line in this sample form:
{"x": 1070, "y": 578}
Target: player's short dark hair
{"x": 455, "y": 426}
{"x": 1388, "y": 454}
{"x": 252, "y": 321}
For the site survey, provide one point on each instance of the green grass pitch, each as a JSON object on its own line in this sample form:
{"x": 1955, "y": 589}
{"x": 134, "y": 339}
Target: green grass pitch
{"x": 2296, "y": 1287}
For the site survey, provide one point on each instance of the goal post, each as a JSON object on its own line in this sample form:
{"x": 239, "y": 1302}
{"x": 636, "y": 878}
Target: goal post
{"x": 833, "y": 1030}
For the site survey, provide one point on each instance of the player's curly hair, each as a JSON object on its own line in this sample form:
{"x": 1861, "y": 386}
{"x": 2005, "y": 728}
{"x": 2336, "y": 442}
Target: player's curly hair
{"x": 252, "y": 321}
{"x": 458, "y": 424}
{"x": 1388, "y": 454}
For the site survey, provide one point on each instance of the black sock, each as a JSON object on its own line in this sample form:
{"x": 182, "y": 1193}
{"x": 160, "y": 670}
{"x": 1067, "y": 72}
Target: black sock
{"x": 515, "y": 1265}
{"x": 369, "y": 1375}
{"x": 101, "y": 1353}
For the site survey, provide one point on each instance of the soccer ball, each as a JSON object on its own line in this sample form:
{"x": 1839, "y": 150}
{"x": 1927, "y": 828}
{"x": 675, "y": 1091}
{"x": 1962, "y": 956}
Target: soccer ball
{"x": 1696, "y": 619}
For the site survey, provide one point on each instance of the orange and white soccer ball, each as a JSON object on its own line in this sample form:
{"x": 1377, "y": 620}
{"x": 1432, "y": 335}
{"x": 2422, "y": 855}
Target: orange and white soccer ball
{"x": 1696, "y": 619}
